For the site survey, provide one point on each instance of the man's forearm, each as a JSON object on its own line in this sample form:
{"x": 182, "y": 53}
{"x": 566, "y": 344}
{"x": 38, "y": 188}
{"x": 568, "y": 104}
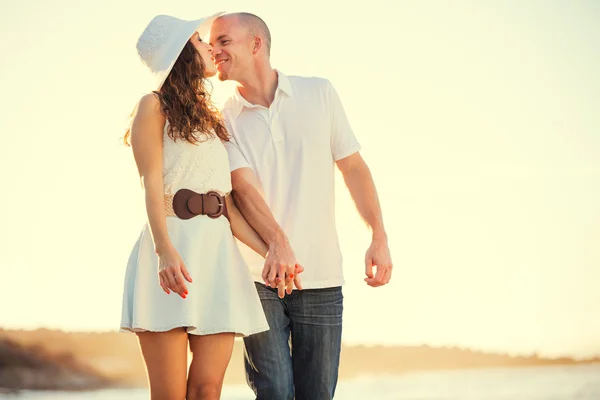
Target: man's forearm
{"x": 362, "y": 189}
{"x": 243, "y": 231}
{"x": 281, "y": 268}
{"x": 256, "y": 211}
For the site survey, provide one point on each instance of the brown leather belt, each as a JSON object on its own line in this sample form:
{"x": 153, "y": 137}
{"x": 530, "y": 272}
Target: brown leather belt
{"x": 187, "y": 204}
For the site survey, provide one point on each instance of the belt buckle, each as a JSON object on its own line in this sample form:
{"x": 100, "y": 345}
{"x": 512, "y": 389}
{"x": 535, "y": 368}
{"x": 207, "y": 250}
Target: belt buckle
{"x": 221, "y": 202}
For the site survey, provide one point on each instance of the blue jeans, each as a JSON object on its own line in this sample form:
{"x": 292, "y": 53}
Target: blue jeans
{"x": 299, "y": 356}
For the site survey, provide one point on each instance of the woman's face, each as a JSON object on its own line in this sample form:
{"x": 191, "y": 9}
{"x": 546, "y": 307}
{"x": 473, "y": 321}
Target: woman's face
{"x": 205, "y": 51}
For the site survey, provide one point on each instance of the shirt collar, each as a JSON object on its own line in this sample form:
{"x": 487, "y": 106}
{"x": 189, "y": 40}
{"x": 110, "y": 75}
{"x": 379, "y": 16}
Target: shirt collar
{"x": 284, "y": 83}
{"x": 238, "y": 102}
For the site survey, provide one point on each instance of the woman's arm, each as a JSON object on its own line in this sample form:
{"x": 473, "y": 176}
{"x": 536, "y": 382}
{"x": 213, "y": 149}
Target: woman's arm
{"x": 147, "y": 145}
{"x": 243, "y": 231}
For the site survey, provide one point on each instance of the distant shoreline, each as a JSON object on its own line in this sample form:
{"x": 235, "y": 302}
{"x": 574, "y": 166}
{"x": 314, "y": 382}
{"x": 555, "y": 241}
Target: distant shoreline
{"x": 115, "y": 357}
{"x": 31, "y": 367}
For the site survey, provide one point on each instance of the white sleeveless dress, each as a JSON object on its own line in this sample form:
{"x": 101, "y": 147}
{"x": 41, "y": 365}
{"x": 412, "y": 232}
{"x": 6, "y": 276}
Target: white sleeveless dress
{"x": 222, "y": 296}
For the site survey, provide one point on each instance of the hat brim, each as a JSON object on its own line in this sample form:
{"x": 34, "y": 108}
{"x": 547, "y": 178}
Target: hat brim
{"x": 202, "y": 26}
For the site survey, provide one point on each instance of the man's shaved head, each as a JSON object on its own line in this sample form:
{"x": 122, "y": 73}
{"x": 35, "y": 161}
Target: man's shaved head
{"x": 241, "y": 46}
{"x": 255, "y": 26}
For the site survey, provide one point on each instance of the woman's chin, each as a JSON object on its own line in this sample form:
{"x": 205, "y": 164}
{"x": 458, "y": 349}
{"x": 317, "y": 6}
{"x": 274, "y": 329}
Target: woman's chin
{"x": 210, "y": 72}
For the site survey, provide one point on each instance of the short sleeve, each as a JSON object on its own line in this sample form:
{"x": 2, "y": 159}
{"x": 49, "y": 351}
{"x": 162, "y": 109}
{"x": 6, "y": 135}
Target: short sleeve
{"x": 343, "y": 141}
{"x": 236, "y": 157}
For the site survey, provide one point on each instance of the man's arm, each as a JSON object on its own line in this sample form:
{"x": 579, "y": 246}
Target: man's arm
{"x": 242, "y": 230}
{"x": 281, "y": 267}
{"x": 360, "y": 183}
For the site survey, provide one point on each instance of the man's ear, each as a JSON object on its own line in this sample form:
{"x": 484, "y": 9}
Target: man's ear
{"x": 256, "y": 45}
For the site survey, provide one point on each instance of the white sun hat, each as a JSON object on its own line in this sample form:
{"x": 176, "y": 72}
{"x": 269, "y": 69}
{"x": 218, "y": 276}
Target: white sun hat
{"x": 163, "y": 39}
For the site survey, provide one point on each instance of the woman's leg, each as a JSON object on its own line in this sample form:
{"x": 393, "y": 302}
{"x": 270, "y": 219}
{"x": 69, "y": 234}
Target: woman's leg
{"x": 165, "y": 354}
{"x": 210, "y": 357}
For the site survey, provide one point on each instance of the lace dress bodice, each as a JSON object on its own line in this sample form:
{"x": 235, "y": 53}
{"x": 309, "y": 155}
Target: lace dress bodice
{"x": 200, "y": 167}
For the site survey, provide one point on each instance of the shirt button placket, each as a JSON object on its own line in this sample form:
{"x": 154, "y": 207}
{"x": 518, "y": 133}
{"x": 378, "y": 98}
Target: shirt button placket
{"x": 276, "y": 130}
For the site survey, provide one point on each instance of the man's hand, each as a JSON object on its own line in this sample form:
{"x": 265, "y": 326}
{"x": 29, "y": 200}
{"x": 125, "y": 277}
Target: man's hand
{"x": 281, "y": 269}
{"x": 378, "y": 255}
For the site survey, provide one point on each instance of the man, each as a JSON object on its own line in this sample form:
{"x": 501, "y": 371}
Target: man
{"x": 289, "y": 132}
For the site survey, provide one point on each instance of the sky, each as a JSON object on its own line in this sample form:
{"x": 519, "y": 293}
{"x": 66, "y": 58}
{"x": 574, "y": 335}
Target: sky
{"x": 478, "y": 120}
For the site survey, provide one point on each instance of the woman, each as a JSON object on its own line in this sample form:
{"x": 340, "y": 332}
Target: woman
{"x": 204, "y": 295}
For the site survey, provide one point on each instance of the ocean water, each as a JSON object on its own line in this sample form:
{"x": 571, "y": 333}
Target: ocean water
{"x": 536, "y": 383}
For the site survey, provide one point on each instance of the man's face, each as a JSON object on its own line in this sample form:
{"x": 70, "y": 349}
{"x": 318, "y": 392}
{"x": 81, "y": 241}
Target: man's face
{"x": 232, "y": 48}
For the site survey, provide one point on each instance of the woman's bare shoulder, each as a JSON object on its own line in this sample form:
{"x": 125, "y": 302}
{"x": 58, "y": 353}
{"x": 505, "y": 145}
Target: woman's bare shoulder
{"x": 149, "y": 104}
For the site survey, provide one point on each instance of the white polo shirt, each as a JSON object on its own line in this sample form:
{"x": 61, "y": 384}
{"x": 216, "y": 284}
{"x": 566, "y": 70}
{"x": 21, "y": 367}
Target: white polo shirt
{"x": 292, "y": 147}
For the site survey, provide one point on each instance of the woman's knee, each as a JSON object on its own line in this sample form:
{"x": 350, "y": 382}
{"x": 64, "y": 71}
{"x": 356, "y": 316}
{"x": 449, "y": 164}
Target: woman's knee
{"x": 208, "y": 390}
{"x": 167, "y": 393}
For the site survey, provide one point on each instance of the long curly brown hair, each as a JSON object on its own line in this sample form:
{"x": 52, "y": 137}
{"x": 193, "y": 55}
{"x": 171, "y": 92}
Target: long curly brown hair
{"x": 185, "y": 101}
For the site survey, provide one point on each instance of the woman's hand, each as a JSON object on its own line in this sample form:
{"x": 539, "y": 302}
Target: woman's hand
{"x": 172, "y": 272}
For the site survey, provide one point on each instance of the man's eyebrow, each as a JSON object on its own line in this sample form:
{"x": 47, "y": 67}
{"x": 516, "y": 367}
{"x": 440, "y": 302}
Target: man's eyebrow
{"x": 219, "y": 38}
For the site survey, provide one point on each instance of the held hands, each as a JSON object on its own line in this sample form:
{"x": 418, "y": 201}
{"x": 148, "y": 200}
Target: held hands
{"x": 172, "y": 272}
{"x": 281, "y": 269}
{"x": 378, "y": 255}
